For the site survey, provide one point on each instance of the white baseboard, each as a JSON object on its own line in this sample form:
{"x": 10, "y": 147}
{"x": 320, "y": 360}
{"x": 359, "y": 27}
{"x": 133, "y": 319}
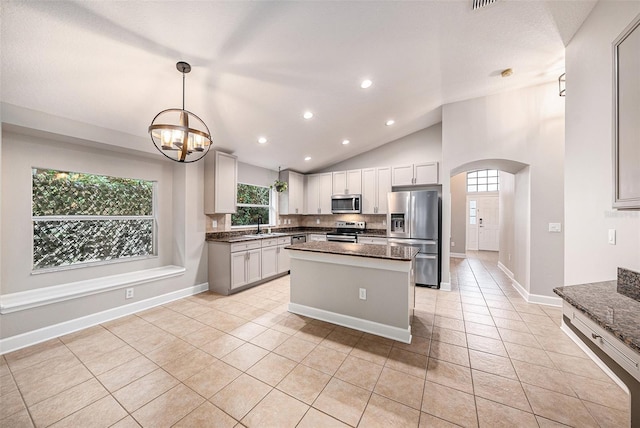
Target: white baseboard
{"x": 390, "y": 332}
{"x": 506, "y": 270}
{"x": 30, "y": 299}
{"x": 445, "y": 286}
{"x": 23, "y": 340}
{"x": 528, "y": 297}
{"x": 565, "y": 328}
{"x": 458, "y": 255}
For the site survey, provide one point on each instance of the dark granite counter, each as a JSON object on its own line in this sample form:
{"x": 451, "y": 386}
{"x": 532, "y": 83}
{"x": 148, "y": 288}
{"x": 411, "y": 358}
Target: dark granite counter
{"x": 388, "y": 252}
{"x": 597, "y": 299}
{"x": 248, "y": 235}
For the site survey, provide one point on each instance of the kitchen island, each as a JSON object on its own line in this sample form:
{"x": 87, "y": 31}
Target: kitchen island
{"x": 366, "y": 287}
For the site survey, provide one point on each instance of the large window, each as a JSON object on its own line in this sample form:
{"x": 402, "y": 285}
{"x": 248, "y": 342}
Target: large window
{"x": 84, "y": 218}
{"x": 253, "y": 202}
{"x": 485, "y": 180}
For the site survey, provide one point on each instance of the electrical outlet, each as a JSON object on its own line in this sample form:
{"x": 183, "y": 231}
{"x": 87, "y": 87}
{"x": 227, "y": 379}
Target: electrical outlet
{"x": 384, "y": 222}
{"x": 128, "y": 294}
{"x": 612, "y": 236}
{"x": 317, "y": 221}
{"x": 453, "y": 244}
{"x": 214, "y": 223}
{"x": 363, "y": 294}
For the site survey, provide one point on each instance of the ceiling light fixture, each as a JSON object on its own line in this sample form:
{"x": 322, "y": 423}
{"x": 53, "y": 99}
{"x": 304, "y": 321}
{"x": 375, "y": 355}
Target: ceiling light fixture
{"x": 366, "y": 84}
{"x": 506, "y": 72}
{"x": 390, "y": 122}
{"x": 308, "y": 158}
{"x": 171, "y": 130}
{"x": 262, "y": 140}
{"x": 307, "y": 115}
{"x": 345, "y": 142}
{"x": 562, "y": 84}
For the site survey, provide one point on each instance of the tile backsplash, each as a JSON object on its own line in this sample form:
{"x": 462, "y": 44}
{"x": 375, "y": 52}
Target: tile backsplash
{"x": 629, "y": 283}
{"x": 374, "y": 221}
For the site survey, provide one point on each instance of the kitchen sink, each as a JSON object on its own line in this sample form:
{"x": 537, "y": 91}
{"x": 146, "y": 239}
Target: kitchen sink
{"x": 264, "y": 235}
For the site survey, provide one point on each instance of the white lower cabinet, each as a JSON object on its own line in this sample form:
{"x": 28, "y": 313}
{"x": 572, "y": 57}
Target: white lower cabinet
{"x": 238, "y": 265}
{"x": 284, "y": 261}
{"x": 246, "y": 267}
{"x": 269, "y": 261}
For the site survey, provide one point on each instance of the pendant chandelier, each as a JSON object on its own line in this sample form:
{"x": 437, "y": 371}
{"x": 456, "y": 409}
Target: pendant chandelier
{"x": 179, "y": 134}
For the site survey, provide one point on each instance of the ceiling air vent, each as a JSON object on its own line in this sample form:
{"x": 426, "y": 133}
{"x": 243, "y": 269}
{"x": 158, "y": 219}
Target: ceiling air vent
{"x": 477, "y": 4}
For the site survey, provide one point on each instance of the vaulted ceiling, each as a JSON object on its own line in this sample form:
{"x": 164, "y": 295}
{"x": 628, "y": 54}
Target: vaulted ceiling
{"x": 258, "y": 66}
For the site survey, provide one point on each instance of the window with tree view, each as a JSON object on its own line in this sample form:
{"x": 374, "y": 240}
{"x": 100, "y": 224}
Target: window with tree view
{"x": 253, "y": 202}
{"x": 85, "y": 218}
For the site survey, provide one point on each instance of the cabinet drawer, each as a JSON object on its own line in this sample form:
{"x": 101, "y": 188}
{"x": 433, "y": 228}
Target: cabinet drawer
{"x": 242, "y": 246}
{"x": 611, "y": 345}
{"x": 375, "y": 241}
{"x": 285, "y": 240}
{"x": 269, "y": 242}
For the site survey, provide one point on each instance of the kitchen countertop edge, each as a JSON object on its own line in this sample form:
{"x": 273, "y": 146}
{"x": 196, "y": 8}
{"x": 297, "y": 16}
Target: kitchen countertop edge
{"x": 592, "y": 298}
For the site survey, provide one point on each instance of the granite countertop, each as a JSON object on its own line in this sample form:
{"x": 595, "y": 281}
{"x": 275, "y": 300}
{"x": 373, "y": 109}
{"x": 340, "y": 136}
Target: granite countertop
{"x": 387, "y": 252}
{"x": 596, "y": 299}
{"x": 249, "y": 235}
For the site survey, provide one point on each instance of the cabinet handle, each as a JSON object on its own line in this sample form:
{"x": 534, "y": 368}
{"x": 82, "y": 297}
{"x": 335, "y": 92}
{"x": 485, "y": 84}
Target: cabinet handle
{"x": 595, "y": 336}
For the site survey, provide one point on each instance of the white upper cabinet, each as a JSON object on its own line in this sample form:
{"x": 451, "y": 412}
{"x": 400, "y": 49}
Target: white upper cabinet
{"x": 220, "y": 183}
{"x": 347, "y": 182}
{"x": 292, "y": 200}
{"x": 376, "y": 183}
{"x": 318, "y": 190}
{"x": 416, "y": 174}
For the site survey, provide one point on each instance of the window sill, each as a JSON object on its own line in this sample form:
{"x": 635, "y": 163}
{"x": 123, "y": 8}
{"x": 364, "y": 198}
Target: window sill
{"x": 20, "y": 301}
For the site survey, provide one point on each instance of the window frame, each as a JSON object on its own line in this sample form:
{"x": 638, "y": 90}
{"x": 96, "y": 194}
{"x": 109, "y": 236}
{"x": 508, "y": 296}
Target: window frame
{"x": 489, "y": 177}
{"x": 81, "y": 265}
{"x": 271, "y": 207}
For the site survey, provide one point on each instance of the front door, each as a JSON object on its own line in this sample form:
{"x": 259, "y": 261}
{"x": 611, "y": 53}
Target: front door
{"x": 483, "y": 228}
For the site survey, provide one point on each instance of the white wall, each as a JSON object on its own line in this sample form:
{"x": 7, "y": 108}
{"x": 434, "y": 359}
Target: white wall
{"x": 588, "y": 153}
{"x": 526, "y": 126}
{"x": 181, "y": 222}
{"x": 421, "y": 146}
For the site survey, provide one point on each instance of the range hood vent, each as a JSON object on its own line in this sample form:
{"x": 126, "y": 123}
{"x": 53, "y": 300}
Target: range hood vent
{"x": 477, "y": 4}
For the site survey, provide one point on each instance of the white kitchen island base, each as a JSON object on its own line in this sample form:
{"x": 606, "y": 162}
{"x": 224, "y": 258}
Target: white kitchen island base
{"x": 328, "y": 287}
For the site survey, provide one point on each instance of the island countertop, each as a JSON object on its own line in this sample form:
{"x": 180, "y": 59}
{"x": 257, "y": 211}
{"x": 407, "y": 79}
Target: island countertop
{"x": 388, "y": 252}
{"x": 595, "y": 299}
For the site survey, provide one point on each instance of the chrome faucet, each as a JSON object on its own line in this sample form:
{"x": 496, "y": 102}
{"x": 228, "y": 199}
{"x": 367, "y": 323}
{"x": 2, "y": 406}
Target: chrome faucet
{"x": 259, "y": 221}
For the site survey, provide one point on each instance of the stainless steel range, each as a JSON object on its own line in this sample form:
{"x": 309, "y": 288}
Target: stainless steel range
{"x": 346, "y": 231}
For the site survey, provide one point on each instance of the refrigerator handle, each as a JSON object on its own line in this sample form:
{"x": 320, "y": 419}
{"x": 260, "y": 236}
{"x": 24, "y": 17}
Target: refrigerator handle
{"x": 412, "y": 217}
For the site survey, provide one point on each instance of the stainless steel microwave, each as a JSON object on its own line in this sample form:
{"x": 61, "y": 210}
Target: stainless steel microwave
{"x": 346, "y": 204}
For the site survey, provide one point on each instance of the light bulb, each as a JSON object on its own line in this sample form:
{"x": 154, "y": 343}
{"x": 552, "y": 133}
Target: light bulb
{"x": 366, "y": 84}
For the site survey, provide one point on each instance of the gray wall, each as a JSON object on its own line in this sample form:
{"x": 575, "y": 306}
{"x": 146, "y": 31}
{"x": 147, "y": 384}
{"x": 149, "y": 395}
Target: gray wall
{"x": 421, "y": 146}
{"x": 181, "y": 221}
{"x": 459, "y": 213}
{"x": 507, "y": 216}
{"x": 588, "y": 166}
{"x": 527, "y": 126}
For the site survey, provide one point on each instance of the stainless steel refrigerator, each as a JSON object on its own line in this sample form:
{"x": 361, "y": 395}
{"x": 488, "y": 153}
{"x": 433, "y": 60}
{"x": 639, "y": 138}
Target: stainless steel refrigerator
{"x": 413, "y": 219}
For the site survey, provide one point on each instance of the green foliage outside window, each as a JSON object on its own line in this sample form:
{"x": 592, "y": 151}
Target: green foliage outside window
{"x": 253, "y": 202}
{"x": 81, "y": 218}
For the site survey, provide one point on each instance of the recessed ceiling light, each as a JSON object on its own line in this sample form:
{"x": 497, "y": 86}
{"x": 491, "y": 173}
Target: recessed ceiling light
{"x": 262, "y": 140}
{"x": 390, "y": 122}
{"x": 366, "y": 84}
{"x": 345, "y": 142}
{"x": 308, "y": 158}
{"x": 307, "y": 115}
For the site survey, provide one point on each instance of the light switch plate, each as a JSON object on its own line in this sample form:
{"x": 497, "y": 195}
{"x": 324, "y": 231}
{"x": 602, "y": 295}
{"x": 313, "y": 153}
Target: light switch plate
{"x": 612, "y": 236}
{"x": 555, "y": 227}
{"x": 363, "y": 294}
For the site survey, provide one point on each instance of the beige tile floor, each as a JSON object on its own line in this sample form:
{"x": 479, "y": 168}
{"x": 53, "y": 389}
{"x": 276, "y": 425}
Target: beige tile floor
{"x": 480, "y": 356}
